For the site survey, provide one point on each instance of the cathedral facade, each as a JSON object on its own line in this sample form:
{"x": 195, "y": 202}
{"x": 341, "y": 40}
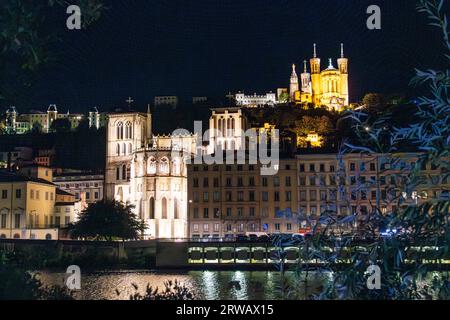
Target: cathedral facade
{"x": 328, "y": 87}
{"x": 149, "y": 172}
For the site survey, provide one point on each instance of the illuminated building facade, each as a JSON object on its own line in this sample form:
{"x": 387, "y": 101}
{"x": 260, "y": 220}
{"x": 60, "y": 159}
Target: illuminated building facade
{"x": 148, "y": 172}
{"x": 22, "y": 123}
{"x": 328, "y": 87}
{"x": 254, "y": 101}
{"x": 32, "y": 207}
{"x": 229, "y": 200}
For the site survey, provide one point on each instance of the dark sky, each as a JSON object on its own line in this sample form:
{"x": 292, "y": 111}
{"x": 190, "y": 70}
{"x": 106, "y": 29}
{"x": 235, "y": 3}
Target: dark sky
{"x": 145, "y": 48}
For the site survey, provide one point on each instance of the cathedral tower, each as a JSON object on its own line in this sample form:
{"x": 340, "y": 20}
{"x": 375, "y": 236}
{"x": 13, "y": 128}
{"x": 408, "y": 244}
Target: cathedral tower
{"x": 149, "y": 125}
{"x": 315, "y": 77}
{"x": 343, "y": 68}
{"x": 306, "y": 79}
{"x": 294, "y": 83}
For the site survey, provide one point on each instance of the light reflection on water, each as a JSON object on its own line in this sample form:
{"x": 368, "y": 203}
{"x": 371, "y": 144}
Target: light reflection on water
{"x": 210, "y": 285}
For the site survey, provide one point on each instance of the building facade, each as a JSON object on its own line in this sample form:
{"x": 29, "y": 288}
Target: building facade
{"x": 171, "y": 101}
{"x": 31, "y": 206}
{"x": 230, "y": 200}
{"x": 226, "y": 129}
{"x": 14, "y": 157}
{"x": 22, "y": 123}
{"x": 358, "y": 184}
{"x": 149, "y": 172}
{"x": 86, "y": 188}
{"x": 254, "y": 101}
{"x": 327, "y": 87}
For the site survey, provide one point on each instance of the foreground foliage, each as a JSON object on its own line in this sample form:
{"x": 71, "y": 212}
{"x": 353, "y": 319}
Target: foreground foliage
{"x": 411, "y": 259}
{"x": 173, "y": 290}
{"x": 18, "y": 284}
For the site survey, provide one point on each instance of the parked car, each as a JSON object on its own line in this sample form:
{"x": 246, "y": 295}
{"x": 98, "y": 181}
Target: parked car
{"x": 242, "y": 238}
{"x": 228, "y": 237}
{"x": 264, "y": 238}
{"x": 297, "y": 237}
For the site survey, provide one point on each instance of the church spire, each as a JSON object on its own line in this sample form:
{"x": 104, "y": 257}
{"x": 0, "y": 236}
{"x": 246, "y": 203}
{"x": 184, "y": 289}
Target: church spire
{"x": 294, "y": 76}
{"x": 342, "y": 50}
{"x": 305, "y": 70}
{"x": 294, "y": 83}
{"x": 149, "y": 125}
{"x": 315, "y": 51}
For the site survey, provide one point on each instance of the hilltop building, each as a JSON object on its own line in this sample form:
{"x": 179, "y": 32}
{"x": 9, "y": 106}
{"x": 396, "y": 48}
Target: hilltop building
{"x": 22, "y": 123}
{"x": 328, "y": 87}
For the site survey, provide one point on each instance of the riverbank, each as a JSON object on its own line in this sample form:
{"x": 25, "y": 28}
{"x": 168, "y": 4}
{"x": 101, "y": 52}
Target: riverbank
{"x": 209, "y": 285}
{"x": 167, "y": 255}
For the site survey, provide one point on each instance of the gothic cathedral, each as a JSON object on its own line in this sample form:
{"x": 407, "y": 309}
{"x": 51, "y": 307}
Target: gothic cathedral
{"x": 149, "y": 172}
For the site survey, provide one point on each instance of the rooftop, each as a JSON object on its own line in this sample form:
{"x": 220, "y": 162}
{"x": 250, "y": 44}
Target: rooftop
{"x": 63, "y": 193}
{"x": 7, "y": 176}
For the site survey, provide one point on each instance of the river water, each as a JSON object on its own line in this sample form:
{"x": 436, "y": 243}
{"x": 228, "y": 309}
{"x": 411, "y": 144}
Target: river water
{"x": 209, "y": 285}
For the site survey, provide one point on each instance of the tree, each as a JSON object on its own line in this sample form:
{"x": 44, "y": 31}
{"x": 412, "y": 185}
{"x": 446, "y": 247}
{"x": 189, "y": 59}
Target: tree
{"x": 28, "y": 35}
{"x": 374, "y": 102}
{"x": 308, "y": 124}
{"x": 108, "y": 220}
{"x": 19, "y": 284}
{"x": 2, "y": 128}
{"x": 37, "y": 128}
{"x": 83, "y": 126}
{"x": 284, "y": 97}
{"x": 61, "y": 125}
{"x": 173, "y": 290}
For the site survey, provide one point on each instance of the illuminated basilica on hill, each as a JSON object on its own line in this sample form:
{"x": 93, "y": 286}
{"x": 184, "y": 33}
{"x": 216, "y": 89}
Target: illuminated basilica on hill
{"x": 328, "y": 87}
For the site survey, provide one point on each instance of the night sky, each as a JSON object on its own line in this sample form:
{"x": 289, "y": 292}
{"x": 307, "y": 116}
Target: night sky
{"x": 207, "y": 48}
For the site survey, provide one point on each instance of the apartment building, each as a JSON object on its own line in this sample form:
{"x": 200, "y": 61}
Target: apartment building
{"x": 30, "y": 202}
{"x": 358, "y": 184}
{"x": 229, "y": 200}
{"x": 86, "y": 187}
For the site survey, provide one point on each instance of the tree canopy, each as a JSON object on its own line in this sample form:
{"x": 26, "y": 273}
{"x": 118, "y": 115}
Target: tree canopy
{"x": 108, "y": 220}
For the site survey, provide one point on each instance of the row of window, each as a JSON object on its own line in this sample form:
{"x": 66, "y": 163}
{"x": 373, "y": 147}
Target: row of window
{"x": 33, "y": 222}
{"x": 124, "y": 132}
{"x": 239, "y": 212}
{"x": 34, "y": 194}
{"x": 251, "y": 196}
{"x": 18, "y": 194}
{"x": 311, "y": 210}
{"x": 305, "y": 181}
{"x": 239, "y": 228}
{"x": 238, "y": 167}
{"x": 240, "y": 182}
{"x": 81, "y": 185}
{"x": 359, "y": 166}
